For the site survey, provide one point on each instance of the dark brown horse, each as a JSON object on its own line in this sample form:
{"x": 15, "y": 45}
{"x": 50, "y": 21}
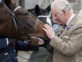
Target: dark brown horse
{"x": 19, "y": 24}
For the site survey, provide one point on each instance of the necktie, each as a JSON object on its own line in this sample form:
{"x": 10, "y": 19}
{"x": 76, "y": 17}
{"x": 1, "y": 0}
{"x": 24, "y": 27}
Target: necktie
{"x": 64, "y": 26}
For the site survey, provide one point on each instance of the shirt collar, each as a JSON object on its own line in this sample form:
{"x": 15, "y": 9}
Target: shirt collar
{"x": 70, "y": 19}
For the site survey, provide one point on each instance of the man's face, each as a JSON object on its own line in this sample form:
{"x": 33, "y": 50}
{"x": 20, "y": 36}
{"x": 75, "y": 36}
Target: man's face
{"x": 59, "y": 17}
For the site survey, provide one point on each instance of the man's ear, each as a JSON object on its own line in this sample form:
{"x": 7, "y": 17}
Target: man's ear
{"x": 64, "y": 11}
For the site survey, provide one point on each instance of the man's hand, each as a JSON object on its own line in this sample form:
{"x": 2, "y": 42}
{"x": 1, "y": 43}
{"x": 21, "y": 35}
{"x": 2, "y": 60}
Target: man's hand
{"x": 49, "y": 31}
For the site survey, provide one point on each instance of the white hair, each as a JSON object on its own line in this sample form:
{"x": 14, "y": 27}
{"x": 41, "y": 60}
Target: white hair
{"x": 61, "y": 5}
{"x": 80, "y": 15}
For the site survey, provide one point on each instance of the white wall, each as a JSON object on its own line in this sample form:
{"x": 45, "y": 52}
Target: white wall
{"x": 44, "y": 3}
{"x": 81, "y": 4}
{"x": 29, "y": 4}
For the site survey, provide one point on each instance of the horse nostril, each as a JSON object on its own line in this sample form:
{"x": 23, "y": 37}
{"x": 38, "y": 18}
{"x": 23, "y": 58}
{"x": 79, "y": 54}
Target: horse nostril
{"x": 34, "y": 41}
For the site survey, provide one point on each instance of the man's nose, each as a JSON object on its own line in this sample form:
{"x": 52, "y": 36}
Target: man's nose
{"x": 54, "y": 18}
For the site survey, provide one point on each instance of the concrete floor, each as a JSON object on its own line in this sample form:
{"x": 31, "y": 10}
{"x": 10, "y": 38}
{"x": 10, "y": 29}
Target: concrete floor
{"x": 23, "y": 56}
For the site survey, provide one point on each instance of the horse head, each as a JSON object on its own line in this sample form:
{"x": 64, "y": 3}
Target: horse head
{"x": 33, "y": 26}
{"x": 19, "y": 23}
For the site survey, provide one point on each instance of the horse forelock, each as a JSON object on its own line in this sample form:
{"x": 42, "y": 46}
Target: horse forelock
{"x": 27, "y": 20}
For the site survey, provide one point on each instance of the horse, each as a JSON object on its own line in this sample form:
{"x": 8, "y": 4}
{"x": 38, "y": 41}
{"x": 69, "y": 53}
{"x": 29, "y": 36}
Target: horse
{"x": 37, "y": 11}
{"x": 19, "y": 24}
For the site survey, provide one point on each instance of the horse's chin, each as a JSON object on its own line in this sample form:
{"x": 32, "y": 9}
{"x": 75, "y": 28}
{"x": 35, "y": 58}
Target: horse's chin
{"x": 34, "y": 40}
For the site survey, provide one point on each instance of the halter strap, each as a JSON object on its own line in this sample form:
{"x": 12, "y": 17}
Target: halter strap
{"x": 13, "y": 15}
{"x": 17, "y": 8}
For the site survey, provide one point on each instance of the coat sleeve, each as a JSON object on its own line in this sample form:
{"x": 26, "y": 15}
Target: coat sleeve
{"x": 68, "y": 46}
{"x": 23, "y": 46}
{"x": 3, "y": 43}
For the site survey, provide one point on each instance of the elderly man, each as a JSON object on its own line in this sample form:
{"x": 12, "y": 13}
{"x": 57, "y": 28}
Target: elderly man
{"x": 67, "y": 47}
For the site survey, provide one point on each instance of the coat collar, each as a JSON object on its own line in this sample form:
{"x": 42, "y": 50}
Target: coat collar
{"x": 72, "y": 16}
{"x": 73, "y": 21}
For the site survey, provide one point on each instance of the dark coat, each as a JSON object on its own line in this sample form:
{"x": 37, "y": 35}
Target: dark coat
{"x": 42, "y": 55}
{"x": 11, "y": 50}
